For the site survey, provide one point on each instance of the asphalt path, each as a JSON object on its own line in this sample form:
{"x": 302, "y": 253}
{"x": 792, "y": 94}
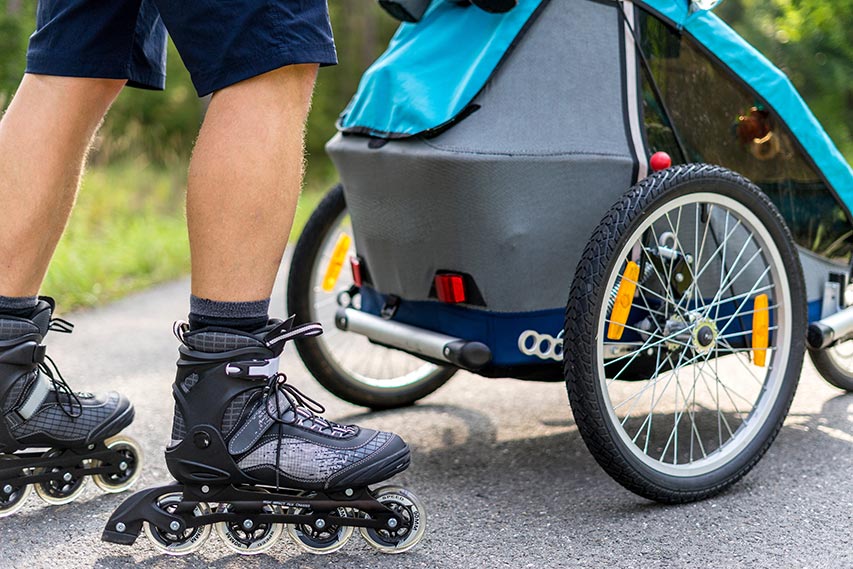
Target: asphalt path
{"x": 504, "y": 474}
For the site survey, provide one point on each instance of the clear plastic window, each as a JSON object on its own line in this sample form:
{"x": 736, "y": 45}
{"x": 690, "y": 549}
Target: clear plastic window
{"x": 721, "y": 122}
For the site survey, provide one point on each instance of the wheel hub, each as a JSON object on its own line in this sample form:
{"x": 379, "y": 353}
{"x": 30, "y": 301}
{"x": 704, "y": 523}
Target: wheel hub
{"x": 705, "y": 336}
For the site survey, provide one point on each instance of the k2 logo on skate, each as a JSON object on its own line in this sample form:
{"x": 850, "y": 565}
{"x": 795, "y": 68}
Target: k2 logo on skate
{"x": 542, "y": 346}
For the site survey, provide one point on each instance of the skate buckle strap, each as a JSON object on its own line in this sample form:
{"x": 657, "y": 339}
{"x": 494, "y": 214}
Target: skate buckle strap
{"x": 255, "y": 369}
{"x": 40, "y": 390}
{"x": 308, "y": 330}
{"x": 179, "y": 329}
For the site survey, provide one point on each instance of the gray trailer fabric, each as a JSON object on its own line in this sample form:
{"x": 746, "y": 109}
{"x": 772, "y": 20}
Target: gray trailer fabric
{"x": 512, "y": 193}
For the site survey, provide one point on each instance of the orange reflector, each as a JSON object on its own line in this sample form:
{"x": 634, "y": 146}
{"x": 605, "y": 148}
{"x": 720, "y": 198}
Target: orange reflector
{"x": 624, "y": 300}
{"x": 760, "y": 330}
{"x": 336, "y": 263}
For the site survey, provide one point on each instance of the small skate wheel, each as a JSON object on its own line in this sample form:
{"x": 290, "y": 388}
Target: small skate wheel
{"x": 404, "y": 534}
{"x": 246, "y": 537}
{"x": 129, "y": 466}
{"x": 177, "y": 542}
{"x": 320, "y": 539}
{"x": 65, "y": 488}
{"x": 13, "y": 497}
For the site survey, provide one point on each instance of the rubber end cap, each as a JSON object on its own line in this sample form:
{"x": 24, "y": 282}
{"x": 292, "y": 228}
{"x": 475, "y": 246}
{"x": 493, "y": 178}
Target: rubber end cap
{"x": 819, "y": 336}
{"x": 468, "y": 355}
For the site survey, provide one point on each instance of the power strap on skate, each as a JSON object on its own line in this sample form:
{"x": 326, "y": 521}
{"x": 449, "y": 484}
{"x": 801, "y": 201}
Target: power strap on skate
{"x": 39, "y": 391}
{"x": 309, "y": 330}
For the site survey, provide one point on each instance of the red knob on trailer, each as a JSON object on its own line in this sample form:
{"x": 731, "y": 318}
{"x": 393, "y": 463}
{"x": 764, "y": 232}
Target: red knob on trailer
{"x": 660, "y": 161}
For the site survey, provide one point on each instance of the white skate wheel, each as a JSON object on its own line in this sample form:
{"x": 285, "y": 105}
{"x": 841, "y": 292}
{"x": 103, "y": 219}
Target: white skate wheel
{"x": 409, "y": 531}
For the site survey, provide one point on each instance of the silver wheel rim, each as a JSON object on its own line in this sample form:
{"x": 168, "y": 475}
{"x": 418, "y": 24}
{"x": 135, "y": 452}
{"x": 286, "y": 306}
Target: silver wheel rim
{"x": 352, "y": 355}
{"x": 740, "y": 390}
{"x": 842, "y": 356}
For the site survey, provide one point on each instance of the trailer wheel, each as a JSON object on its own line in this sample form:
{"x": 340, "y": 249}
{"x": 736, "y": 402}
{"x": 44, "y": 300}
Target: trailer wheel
{"x": 347, "y": 364}
{"x": 835, "y": 365}
{"x": 695, "y": 268}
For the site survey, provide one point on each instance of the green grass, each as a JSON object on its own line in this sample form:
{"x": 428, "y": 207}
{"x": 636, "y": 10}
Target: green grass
{"x": 128, "y": 232}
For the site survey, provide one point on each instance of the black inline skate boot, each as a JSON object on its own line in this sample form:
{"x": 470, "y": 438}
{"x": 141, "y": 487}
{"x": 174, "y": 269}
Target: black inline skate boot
{"x": 76, "y": 432}
{"x": 251, "y": 455}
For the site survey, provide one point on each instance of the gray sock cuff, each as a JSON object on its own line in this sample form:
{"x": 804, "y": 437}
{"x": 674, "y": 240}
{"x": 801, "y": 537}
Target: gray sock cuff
{"x": 218, "y": 309}
{"x": 17, "y": 303}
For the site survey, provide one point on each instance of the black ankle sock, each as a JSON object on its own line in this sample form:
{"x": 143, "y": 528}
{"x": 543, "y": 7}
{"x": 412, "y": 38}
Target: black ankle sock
{"x": 19, "y": 307}
{"x": 244, "y": 316}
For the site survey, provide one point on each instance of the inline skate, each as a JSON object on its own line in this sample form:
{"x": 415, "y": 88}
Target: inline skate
{"x": 253, "y": 458}
{"x": 75, "y": 433}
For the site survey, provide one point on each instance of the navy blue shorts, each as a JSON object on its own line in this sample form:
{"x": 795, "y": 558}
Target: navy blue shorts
{"x": 221, "y": 42}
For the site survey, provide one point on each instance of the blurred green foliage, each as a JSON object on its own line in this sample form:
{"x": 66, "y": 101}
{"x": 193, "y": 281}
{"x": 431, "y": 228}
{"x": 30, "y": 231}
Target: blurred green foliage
{"x": 128, "y": 232}
{"x": 812, "y": 41}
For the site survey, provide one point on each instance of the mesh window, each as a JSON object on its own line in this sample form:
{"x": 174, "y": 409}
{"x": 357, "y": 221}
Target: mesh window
{"x": 721, "y": 122}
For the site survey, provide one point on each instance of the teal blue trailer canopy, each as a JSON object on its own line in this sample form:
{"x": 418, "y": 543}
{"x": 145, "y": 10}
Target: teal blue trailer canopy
{"x": 434, "y": 69}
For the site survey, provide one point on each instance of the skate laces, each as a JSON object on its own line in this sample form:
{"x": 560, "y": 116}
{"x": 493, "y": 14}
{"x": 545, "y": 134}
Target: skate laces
{"x": 60, "y": 325}
{"x": 304, "y": 408}
{"x": 70, "y": 404}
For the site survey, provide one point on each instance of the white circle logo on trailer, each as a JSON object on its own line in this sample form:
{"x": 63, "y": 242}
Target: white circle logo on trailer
{"x": 542, "y": 346}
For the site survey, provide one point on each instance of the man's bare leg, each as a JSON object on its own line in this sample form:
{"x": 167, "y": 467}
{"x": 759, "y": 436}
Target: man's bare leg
{"x": 44, "y": 138}
{"x": 245, "y": 178}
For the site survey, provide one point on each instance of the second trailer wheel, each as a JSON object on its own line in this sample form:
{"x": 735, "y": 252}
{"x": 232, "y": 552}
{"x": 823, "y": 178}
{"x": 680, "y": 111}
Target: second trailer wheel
{"x": 345, "y": 363}
{"x": 695, "y": 271}
{"x": 835, "y": 364}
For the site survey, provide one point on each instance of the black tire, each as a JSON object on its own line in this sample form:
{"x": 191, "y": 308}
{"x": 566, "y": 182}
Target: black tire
{"x": 586, "y": 394}
{"x": 331, "y": 376}
{"x": 829, "y": 369}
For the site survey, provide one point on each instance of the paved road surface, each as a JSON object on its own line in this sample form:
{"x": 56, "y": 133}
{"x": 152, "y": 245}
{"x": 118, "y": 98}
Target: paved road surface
{"x": 505, "y": 476}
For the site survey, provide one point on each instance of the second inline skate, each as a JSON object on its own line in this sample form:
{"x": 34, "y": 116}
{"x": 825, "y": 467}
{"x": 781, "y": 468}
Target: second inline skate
{"x": 52, "y": 438}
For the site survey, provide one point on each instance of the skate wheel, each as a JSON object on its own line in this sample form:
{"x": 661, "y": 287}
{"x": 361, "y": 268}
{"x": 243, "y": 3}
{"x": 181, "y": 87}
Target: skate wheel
{"x": 251, "y": 540}
{"x": 131, "y": 455}
{"x": 13, "y": 498}
{"x": 59, "y": 492}
{"x": 178, "y": 543}
{"x": 319, "y": 541}
{"x": 412, "y": 514}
